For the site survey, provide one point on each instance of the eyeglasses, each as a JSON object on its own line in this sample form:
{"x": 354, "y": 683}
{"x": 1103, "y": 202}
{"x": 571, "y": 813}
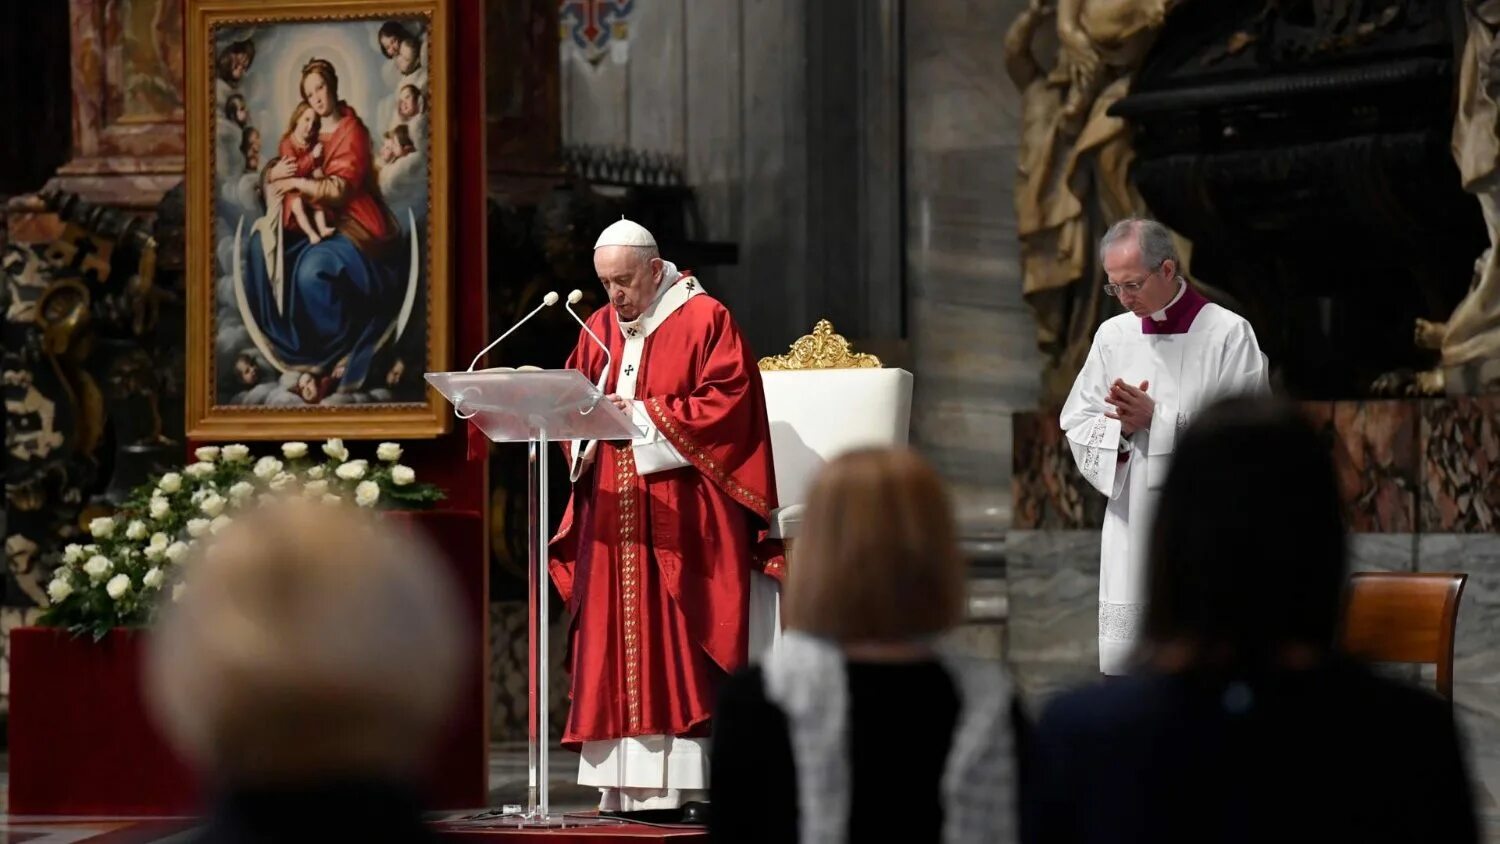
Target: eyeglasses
{"x": 1134, "y": 287}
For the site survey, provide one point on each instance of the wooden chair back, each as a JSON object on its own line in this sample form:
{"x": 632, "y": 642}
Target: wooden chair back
{"x": 1406, "y": 617}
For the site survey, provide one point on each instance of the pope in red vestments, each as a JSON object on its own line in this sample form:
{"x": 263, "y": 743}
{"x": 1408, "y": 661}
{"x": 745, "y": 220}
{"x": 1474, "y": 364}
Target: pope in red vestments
{"x": 662, "y": 535}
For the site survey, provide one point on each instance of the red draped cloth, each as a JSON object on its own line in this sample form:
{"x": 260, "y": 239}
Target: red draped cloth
{"x": 655, "y": 569}
{"x": 360, "y": 213}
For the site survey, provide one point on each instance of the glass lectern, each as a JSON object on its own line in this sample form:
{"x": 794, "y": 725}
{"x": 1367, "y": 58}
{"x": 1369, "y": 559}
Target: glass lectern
{"x": 535, "y": 407}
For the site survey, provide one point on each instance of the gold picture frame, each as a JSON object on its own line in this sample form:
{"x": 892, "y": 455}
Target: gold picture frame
{"x": 318, "y": 258}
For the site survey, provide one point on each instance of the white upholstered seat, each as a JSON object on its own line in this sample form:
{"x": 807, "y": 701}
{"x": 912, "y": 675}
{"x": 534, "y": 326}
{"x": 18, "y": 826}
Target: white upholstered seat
{"x": 822, "y": 400}
{"x": 818, "y": 414}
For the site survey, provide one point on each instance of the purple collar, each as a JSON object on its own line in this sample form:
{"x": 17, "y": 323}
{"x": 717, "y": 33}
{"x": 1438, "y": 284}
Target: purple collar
{"x": 1180, "y": 314}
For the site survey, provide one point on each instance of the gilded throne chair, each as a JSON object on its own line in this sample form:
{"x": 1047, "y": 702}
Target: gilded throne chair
{"x": 822, "y": 399}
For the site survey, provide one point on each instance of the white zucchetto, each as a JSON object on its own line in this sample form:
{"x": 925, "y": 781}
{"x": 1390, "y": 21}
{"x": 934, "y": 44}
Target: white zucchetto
{"x": 625, "y": 233}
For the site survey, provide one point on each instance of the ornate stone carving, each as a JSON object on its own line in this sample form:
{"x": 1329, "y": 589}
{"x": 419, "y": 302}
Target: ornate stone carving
{"x": 822, "y": 349}
{"x": 127, "y": 102}
{"x": 1304, "y": 148}
{"x": 1469, "y": 341}
{"x": 77, "y": 379}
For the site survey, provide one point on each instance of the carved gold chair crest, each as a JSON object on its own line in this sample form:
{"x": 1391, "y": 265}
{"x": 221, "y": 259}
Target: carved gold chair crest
{"x": 822, "y": 349}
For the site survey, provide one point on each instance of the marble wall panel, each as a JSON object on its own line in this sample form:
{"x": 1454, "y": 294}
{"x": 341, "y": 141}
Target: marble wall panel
{"x": 973, "y": 340}
{"x": 713, "y": 54}
{"x": 1047, "y": 492}
{"x": 1376, "y": 456}
{"x": 1052, "y": 628}
{"x": 1382, "y": 552}
{"x": 657, "y": 116}
{"x": 984, "y": 641}
{"x": 1460, "y": 490}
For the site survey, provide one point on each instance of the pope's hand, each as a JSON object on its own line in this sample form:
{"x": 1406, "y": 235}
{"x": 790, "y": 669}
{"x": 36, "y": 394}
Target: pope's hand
{"x": 622, "y": 403}
{"x": 1131, "y": 406}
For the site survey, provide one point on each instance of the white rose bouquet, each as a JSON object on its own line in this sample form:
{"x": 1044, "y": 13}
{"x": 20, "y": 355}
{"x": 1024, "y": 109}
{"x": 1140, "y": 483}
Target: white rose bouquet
{"x": 135, "y": 557}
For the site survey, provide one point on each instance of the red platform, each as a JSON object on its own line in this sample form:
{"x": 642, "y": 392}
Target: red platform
{"x": 81, "y": 742}
{"x": 166, "y": 831}
{"x": 633, "y": 833}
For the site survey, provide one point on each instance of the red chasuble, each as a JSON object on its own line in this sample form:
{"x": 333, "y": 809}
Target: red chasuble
{"x": 656, "y": 569}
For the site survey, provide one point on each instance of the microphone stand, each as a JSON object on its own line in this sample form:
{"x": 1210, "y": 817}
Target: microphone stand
{"x": 547, "y": 301}
{"x": 574, "y": 297}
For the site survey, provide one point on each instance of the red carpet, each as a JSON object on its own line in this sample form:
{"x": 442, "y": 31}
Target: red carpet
{"x": 580, "y": 835}
{"x": 163, "y": 830}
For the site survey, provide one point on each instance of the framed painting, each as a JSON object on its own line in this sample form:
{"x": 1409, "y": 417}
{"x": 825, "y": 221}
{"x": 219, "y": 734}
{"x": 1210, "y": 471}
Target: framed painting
{"x": 317, "y": 218}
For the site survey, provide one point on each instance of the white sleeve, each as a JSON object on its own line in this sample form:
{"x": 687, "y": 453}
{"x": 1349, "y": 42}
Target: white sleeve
{"x": 1093, "y": 437}
{"x": 653, "y": 452}
{"x": 1243, "y": 369}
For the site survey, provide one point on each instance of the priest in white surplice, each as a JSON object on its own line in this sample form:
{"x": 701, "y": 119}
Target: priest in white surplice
{"x": 1149, "y": 370}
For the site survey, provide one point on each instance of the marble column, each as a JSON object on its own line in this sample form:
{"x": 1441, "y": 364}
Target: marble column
{"x": 973, "y": 341}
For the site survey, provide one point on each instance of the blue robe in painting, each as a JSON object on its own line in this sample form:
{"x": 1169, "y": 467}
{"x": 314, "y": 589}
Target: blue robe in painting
{"x": 338, "y": 302}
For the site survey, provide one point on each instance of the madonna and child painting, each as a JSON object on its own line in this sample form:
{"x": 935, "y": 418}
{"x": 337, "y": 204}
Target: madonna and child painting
{"x": 327, "y": 268}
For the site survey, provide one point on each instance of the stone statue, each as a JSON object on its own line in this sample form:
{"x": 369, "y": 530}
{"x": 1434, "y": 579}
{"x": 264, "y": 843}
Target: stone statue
{"x": 1073, "y": 164}
{"x": 1469, "y": 342}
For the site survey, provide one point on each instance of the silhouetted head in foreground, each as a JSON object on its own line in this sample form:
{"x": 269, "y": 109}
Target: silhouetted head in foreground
{"x": 1247, "y": 550}
{"x": 312, "y": 642}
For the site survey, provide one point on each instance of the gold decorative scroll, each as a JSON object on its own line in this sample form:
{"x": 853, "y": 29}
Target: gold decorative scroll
{"x": 822, "y": 349}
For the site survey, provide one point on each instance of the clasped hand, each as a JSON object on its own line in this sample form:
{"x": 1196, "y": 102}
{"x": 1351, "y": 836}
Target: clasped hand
{"x": 618, "y": 401}
{"x": 1131, "y": 406}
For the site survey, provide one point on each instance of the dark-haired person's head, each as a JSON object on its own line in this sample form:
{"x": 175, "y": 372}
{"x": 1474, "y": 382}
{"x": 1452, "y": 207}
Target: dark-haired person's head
{"x": 408, "y": 55}
{"x": 235, "y": 110}
{"x": 234, "y": 62}
{"x": 391, "y": 34}
{"x": 1247, "y": 555}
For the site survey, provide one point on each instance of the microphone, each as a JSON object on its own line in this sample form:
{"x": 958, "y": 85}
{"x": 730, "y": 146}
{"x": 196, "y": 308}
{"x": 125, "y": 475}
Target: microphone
{"x": 547, "y": 301}
{"x": 574, "y": 298}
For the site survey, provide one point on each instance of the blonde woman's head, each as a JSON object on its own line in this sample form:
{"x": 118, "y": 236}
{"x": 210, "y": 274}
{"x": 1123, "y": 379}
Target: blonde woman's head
{"x": 878, "y": 559}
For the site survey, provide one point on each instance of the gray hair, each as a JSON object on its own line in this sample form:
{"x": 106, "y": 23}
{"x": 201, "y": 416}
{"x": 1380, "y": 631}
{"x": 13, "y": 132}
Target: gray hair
{"x": 1153, "y": 238}
{"x": 644, "y": 254}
